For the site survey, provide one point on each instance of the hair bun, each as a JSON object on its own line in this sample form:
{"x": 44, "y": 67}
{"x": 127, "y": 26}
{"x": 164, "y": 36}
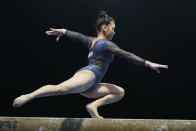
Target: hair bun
{"x": 102, "y": 14}
{"x": 102, "y": 18}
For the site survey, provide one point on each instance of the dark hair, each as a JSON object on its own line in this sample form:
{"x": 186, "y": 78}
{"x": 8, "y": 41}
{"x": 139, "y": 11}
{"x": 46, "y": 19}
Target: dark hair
{"x": 103, "y": 18}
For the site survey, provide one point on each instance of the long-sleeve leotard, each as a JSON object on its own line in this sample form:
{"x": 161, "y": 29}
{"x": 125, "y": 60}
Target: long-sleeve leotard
{"x": 79, "y": 37}
{"x": 111, "y": 47}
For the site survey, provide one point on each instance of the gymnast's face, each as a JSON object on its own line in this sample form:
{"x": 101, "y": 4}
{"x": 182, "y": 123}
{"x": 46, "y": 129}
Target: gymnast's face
{"x": 109, "y": 30}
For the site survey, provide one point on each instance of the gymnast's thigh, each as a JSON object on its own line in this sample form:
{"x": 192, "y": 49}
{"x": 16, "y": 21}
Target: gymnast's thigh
{"x": 80, "y": 82}
{"x": 103, "y": 89}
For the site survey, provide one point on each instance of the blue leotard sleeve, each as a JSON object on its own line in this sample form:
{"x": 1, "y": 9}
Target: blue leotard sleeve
{"x": 113, "y": 48}
{"x": 76, "y": 36}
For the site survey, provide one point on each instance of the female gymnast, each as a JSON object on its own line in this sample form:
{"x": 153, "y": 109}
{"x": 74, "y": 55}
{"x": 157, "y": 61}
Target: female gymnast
{"x": 86, "y": 81}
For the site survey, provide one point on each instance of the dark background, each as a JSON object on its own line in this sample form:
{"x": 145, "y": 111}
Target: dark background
{"x": 160, "y": 31}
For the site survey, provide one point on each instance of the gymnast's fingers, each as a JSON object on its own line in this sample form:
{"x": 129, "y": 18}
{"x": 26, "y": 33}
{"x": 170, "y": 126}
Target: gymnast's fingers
{"x": 164, "y": 66}
{"x": 52, "y": 29}
{"x": 49, "y": 32}
{"x": 57, "y": 39}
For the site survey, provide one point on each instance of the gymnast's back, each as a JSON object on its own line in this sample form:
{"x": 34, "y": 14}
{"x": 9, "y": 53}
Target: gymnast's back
{"x": 98, "y": 55}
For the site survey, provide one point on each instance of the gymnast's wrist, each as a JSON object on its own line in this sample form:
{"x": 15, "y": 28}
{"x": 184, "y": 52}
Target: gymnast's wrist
{"x": 147, "y": 63}
{"x": 64, "y": 31}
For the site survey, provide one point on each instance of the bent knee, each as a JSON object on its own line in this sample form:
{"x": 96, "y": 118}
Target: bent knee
{"x": 120, "y": 92}
{"x": 117, "y": 90}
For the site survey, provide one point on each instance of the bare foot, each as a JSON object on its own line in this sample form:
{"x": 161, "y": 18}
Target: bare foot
{"x": 99, "y": 117}
{"x": 93, "y": 111}
{"x": 21, "y": 100}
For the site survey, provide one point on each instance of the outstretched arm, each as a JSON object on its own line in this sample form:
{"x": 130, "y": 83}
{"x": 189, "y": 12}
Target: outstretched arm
{"x": 133, "y": 58}
{"x": 76, "y": 36}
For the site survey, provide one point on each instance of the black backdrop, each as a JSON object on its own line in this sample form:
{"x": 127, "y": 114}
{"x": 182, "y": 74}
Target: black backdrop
{"x": 161, "y": 31}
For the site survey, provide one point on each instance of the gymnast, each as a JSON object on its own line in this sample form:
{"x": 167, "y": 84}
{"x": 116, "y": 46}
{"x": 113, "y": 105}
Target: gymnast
{"x": 87, "y": 80}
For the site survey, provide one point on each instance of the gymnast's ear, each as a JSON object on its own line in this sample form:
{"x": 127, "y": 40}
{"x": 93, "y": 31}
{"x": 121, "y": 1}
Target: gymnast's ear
{"x": 104, "y": 27}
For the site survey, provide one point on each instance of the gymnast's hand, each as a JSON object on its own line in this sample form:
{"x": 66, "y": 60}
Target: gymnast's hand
{"x": 155, "y": 66}
{"x": 57, "y": 32}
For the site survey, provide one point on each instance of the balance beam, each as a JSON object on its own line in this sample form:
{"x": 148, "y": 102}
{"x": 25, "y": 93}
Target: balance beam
{"x": 89, "y": 124}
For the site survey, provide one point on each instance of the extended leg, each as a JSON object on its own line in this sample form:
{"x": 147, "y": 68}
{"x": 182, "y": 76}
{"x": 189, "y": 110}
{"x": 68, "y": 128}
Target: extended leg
{"x": 79, "y": 82}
